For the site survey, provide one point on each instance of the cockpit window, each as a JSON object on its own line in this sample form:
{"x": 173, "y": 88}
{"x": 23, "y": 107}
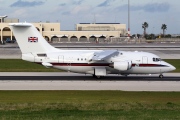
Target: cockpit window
{"x": 157, "y": 59}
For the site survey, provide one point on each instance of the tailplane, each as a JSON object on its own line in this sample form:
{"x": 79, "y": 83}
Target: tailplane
{"x": 29, "y": 39}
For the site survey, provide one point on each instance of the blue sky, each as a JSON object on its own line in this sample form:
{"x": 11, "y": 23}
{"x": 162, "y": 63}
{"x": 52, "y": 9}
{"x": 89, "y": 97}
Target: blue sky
{"x": 70, "y": 12}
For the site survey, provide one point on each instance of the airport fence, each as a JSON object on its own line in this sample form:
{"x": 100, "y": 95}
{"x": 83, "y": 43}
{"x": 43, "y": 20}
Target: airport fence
{"x": 122, "y": 40}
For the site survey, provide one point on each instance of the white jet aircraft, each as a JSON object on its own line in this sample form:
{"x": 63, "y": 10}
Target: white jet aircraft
{"x": 99, "y": 63}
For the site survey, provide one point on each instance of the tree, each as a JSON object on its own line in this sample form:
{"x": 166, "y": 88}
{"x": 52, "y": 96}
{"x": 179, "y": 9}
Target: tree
{"x": 164, "y": 27}
{"x": 145, "y": 26}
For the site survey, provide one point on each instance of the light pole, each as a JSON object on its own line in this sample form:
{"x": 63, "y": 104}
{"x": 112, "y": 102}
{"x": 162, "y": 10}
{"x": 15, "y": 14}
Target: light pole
{"x": 129, "y": 33}
{"x": 153, "y": 35}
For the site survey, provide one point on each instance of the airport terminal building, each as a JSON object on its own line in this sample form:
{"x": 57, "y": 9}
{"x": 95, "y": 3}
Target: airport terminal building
{"x": 84, "y": 32}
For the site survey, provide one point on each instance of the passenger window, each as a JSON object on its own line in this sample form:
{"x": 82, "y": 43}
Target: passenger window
{"x": 154, "y": 59}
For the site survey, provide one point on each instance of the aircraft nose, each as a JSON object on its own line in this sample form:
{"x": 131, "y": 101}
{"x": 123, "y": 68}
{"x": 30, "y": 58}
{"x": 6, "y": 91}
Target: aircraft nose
{"x": 169, "y": 67}
{"x": 172, "y": 68}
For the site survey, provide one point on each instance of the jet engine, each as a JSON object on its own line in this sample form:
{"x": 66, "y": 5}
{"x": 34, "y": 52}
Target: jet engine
{"x": 122, "y": 66}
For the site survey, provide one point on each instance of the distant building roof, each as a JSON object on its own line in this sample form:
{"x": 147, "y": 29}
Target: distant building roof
{"x": 99, "y": 23}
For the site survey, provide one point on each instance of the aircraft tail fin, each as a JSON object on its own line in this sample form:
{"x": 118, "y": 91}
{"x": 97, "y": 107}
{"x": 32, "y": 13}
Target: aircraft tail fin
{"x": 29, "y": 39}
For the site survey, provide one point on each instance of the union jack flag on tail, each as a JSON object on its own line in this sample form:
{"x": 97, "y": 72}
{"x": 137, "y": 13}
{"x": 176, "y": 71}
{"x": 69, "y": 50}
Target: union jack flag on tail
{"x": 33, "y": 39}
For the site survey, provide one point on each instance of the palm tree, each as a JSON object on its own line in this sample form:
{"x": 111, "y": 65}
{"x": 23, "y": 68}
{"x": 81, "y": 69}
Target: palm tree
{"x": 164, "y": 27}
{"x": 145, "y": 26}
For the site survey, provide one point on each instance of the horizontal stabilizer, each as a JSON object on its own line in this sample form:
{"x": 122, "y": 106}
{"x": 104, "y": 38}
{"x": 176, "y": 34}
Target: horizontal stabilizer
{"x": 47, "y": 64}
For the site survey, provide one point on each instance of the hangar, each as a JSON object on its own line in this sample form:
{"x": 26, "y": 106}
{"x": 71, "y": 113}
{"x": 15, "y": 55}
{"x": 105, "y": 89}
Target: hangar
{"x": 84, "y": 32}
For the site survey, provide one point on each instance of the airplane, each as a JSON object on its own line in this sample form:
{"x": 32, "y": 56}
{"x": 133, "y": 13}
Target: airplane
{"x": 98, "y": 63}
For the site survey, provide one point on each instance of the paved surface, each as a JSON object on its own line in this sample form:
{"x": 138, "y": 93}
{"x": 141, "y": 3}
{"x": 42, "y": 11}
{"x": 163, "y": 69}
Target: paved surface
{"x": 67, "y": 76}
{"x": 73, "y": 81}
{"x": 165, "y": 51}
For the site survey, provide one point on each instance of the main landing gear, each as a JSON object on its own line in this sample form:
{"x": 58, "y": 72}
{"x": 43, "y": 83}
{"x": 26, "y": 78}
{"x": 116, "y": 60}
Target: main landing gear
{"x": 161, "y": 76}
{"x": 98, "y": 77}
{"x": 125, "y": 75}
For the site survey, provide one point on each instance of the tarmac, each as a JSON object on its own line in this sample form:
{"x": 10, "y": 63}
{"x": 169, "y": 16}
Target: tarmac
{"x": 165, "y": 51}
{"x": 74, "y": 81}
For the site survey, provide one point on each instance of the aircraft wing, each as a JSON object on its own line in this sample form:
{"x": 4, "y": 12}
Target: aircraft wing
{"x": 103, "y": 55}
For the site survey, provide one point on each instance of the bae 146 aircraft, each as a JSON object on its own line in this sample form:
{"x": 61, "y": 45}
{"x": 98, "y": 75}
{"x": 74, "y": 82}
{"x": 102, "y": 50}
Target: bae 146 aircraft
{"x": 99, "y": 63}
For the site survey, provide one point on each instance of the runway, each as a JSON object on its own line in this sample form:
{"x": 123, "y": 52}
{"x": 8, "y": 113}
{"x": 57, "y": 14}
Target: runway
{"x": 73, "y": 81}
{"x": 165, "y": 51}
{"x": 90, "y": 78}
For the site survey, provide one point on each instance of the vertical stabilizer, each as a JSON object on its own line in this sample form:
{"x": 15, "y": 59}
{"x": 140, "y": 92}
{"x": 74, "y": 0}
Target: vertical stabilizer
{"x": 29, "y": 39}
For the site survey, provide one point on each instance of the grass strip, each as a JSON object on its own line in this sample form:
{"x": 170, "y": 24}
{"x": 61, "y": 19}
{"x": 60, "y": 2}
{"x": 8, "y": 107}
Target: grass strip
{"x": 95, "y": 105}
{"x": 174, "y": 62}
{"x": 18, "y": 65}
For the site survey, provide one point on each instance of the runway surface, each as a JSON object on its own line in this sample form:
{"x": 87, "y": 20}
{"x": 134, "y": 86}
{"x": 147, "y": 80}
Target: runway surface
{"x": 73, "y": 81}
{"x": 165, "y": 51}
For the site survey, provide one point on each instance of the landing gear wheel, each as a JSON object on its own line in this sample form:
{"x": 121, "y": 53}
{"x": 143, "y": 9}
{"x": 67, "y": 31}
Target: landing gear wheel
{"x": 161, "y": 76}
{"x": 98, "y": 77}
{"x": 126, "y": 75}
{"x": 94, "y": 76}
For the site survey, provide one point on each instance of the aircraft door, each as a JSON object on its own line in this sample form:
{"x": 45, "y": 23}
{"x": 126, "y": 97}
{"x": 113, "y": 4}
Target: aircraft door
{"x": 61, "y": 59}
{"x": 145, "y": 60}
{"x": 69, "y": 61}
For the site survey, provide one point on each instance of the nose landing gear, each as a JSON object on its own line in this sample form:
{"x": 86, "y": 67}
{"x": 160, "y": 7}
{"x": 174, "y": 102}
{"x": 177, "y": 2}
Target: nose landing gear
{"x": 161, "y": 76}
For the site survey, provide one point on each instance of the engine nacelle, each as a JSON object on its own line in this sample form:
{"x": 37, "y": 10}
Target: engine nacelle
{"x": 122, "y": 66}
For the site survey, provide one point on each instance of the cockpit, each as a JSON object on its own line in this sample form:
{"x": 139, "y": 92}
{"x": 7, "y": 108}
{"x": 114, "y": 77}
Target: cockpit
{"x": 157, "y": 59}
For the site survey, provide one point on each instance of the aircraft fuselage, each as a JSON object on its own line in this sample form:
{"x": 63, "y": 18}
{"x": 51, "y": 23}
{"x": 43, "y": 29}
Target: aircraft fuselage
{"x": 79, "y": 61}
